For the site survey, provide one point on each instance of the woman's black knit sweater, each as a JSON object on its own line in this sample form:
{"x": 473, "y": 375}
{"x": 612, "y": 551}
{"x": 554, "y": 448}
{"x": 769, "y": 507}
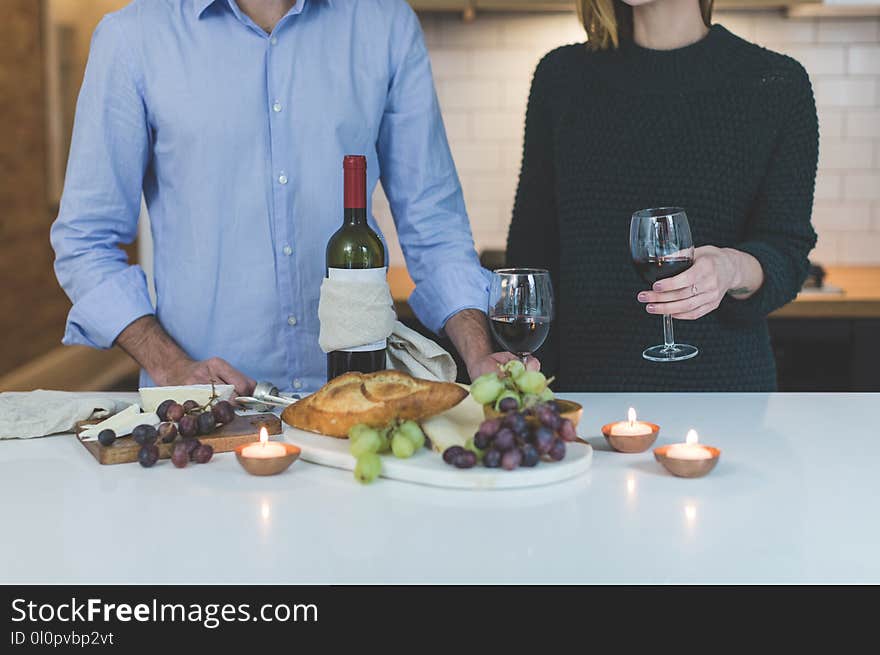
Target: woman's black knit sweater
{"x": 723, "y": 128}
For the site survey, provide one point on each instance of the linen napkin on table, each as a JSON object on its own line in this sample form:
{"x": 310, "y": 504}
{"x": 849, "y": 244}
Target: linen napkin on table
{"x": 27, "y": 414}
{"x": 354, "y": 313}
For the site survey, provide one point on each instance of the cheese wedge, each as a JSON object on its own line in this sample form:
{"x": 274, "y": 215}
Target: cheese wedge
{"x": 444, "y": 433}
{"x": 152, "y": 397}
{"x": 454, "y": 426}
{"x": 119, "y": 419}
{"x": 121, "y": 423}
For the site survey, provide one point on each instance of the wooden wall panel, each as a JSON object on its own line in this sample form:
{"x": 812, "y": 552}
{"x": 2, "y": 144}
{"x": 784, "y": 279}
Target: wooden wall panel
{"x": 32, "y": 305}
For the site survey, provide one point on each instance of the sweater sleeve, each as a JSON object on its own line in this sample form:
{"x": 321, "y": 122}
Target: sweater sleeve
{"x": 533, "y": 238}
{"x": 779, "y": 233}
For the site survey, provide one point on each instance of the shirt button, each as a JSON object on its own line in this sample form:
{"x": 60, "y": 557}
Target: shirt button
{"x": 274, "y": 40}
{"x": 287, "y": 250}
{"x": 276, "y": 107}
{"x": 297, "y": 384}
{"x": 282, "y": 179}
{"x": 291, "y": 320}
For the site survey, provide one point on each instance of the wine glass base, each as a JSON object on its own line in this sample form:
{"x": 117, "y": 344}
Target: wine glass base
{"x": 675, "y": 353}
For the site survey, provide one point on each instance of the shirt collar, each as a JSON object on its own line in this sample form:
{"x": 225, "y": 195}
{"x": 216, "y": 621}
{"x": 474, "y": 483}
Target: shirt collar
{"x": 201, "y": 5}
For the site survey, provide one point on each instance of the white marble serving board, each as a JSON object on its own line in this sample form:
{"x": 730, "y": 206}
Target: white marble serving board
{"x": 428, "y": 468}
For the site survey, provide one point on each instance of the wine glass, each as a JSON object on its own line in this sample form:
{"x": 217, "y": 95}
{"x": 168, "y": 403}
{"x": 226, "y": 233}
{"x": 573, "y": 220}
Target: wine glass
{"x": 521, "y": 308}
{"x": 661, "y": 246}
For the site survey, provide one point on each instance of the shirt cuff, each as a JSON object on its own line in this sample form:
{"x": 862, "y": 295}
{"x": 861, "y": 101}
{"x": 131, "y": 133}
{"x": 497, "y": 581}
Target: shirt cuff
{"x": 449, "y": 289}
{"x": 97, "y": 318}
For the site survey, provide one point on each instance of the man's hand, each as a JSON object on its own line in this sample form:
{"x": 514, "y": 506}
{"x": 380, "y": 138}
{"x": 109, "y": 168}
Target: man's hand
{"x": 701, "y": 288}
{"x": 168, "y": 365}
{"x": 206, "y": 371}
{"x": 491, "y": 362}
{"x": 469, "y": 332}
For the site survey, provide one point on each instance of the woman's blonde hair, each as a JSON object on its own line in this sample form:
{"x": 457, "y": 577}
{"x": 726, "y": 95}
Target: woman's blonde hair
{"x": 609, "y": 21}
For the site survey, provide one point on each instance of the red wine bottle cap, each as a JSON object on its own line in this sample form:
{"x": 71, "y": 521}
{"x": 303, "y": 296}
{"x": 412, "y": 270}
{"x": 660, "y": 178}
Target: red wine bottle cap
{"x": 354, "y": 161}
{"x": 354, "y": 172}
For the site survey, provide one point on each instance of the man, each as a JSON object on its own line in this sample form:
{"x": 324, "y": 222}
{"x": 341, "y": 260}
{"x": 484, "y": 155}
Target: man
{"x": 232, "y": 117}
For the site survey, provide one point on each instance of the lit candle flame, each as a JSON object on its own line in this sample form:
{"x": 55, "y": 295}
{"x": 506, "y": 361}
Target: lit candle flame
{"x": 692, "y": 437}
{"x": 264, "y": 510}
{"x": 631, "y": 415}
{"x": 631, "y": 485}
{"x": 264, "y": 436}
{"x": 690, "y": 513}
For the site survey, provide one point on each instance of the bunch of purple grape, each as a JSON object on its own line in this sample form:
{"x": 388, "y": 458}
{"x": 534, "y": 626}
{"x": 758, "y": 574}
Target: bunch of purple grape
{"x": 187, "y": 420}
{"x": 519, "y": 438}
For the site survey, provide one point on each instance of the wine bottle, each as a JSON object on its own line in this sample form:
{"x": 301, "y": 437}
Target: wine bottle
{"x": 355, "y": 252}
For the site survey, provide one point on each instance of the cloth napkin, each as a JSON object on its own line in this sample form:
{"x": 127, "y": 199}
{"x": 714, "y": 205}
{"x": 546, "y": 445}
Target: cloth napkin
{"x": 355, "y": 313}
{"x": 39, "y": 413}
{"x": 418, "y": 355}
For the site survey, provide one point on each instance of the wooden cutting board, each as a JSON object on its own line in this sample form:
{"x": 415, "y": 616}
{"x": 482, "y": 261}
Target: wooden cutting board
{"x": 244, "y": 429}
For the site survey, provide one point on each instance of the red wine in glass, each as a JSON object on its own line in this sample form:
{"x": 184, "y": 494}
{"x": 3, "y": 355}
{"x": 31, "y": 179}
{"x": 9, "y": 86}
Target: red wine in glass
{"x": 661, "y": 246}
{"x": 520, "y": 308}
{"x": 520, "y": 335}
{"x": 659, "y": 268}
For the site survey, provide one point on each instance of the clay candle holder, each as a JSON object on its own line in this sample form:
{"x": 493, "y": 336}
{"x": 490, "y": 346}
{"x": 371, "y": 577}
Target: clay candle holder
{"x": 688, "y": 460}
{"x": 631, "y": 436}
{"x": 266, "y": 457}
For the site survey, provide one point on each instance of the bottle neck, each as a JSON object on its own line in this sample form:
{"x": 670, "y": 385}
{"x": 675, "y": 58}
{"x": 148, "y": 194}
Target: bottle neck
{"x": 355, "y": 192}
{"x": 354, "y": 216}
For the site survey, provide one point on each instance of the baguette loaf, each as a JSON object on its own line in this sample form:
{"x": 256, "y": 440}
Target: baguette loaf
{"x": 375, "y": 399}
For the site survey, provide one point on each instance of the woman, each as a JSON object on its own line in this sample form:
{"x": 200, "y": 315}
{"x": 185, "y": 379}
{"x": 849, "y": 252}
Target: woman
{"x": 660, "y": 107}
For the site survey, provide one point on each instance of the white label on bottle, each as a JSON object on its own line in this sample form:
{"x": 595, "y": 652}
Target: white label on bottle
{"x": 361, "y": 275}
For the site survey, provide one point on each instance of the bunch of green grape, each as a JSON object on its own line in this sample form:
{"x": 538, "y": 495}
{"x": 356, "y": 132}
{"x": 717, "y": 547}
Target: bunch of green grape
{"x": 366, "y": 443}
{"x": 512, "y": 388}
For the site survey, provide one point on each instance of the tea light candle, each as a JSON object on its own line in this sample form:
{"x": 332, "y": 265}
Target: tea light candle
{"x": 688, "y": 459}
{"x": 631, "y": 427}
{"x": 266, "y": 457}
{"x": 630, "y": 436}
{"x": 690, "y": 450}
{"x": 265, "y": 449}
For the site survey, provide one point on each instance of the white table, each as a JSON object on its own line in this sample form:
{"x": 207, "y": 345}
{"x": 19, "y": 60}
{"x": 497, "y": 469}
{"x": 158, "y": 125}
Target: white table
{"x": 793, "y": 499}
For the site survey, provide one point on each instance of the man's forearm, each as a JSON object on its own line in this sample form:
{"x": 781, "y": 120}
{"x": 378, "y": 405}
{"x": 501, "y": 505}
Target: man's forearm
{"x": 469, "y": 332}
{"x": 151, "y": 346}
{"x": 167, "y": 364}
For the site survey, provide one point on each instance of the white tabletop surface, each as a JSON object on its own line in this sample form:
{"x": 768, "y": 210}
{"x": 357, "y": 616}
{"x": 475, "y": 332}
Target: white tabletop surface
{"x": 794, "y": 498}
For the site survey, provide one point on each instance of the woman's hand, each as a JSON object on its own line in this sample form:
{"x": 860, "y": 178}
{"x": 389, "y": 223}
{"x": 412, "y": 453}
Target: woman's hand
{"x": 701, "y": 288}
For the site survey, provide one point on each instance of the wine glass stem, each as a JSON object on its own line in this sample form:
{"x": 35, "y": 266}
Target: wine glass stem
{"x": 668, "y": 333}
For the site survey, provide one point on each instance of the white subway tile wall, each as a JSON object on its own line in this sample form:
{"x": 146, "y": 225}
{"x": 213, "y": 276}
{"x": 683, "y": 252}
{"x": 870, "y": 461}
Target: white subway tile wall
{"x": 483, "y": 69}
